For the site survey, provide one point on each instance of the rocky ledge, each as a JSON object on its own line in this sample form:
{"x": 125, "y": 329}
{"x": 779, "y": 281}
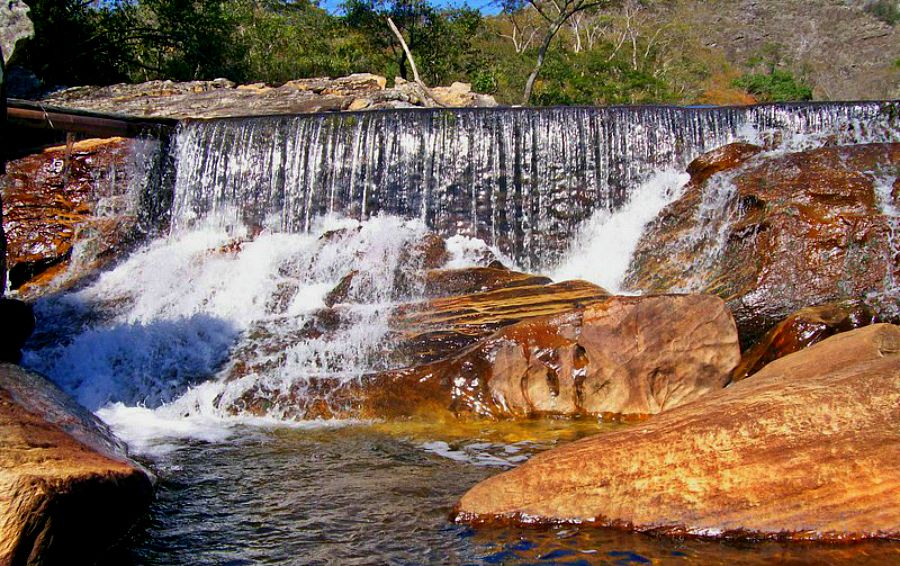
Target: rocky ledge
{"x": 804, "y": 449}
{"x": 67, "y": 488}
{"x": 774, "y": 232}
{"x": 222, "y": 98}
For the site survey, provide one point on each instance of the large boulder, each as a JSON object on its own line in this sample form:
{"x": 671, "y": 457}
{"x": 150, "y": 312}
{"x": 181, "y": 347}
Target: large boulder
{"x": 805, "y": 449}
{"x": 67, "y": 488}
{"x": 65, "y": 196}
{"x": 568, "y": 350}
{"x": 774, "y": 233}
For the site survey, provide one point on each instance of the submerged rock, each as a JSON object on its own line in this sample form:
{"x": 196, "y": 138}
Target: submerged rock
{"x": 67, "y": 488}
{"x": 805, "y": 449}
{"x": 803, "y": 329}
{"x": 778, "y": 233}
{"x": 62, "y": 197}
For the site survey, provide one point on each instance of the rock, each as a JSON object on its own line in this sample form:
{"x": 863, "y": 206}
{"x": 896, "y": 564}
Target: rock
{"x": 67, "y": 487}
{"x": 806, "y": 449}
{"x": 220, "y": 98}
{"x": 449, "y": 282}
{"x": 61, "y": 197}
{"x": 801, "y": 330}
{"x": 776, "y": 234}
{"x": 617, "y": 356}
{"x": 14, "y": 26}
{"x": 18, "y": 325}
{"x": 720, "y": 159}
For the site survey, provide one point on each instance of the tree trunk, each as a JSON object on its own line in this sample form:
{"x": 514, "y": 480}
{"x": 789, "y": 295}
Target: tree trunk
{"x": 542, "y": 53}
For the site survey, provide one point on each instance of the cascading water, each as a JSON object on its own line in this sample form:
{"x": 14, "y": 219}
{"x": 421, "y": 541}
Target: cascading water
{"x": 522, "y": 180}
{"x": 270, "y": 216}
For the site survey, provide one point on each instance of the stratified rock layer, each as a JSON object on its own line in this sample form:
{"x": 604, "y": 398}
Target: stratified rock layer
{"x": 59, "y": 197}
{"x": 67, "y": 489}
{"x": 806, "y": 449}
{"x": 778, "y": 233}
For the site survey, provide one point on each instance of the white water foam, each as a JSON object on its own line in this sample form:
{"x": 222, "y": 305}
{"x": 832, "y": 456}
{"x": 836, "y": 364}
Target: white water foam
{"x": 149, "y": 343}
{"x": 602, "y": 250}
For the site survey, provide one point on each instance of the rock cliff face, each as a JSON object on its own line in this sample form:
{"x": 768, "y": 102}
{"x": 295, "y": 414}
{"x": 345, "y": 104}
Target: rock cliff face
{"x": 222, "y": 98}
{"x": 803, "y": 449}
{"x": 67, "y": 488}
{"x": 844, "y": 52}
{"x": 776, "y": 233}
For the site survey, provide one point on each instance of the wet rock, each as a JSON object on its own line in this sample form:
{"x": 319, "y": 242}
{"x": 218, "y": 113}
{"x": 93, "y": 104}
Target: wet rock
{"x": 720, "y": 159}
{"x": 778, "y": 233}
{"x": 613, "y": 356}
{"x": 68, "y": 489}
{"x": 805, "y": 449}
{"x": 803, "y": 329}
{"x": 449, "y": 282}
{"x": 17, "y": 325}
{"x": 211, "y": 99}
{"x": 62, "y": 197}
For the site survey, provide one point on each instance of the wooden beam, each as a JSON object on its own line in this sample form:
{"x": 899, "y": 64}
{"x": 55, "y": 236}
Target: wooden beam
{"x": 34, "y": 115}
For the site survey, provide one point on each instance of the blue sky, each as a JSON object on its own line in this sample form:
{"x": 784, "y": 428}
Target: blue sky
{"x": 486, "y": 6}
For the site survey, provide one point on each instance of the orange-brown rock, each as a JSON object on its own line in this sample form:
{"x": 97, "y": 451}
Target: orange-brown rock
{"x": 776, "y": 234}
{"x": 67, "y": 489}
{"x": 620, "y": 356}
{"x": 720, "y": 159}
{"x": 62, "y": 196}
{"x": 803, "y": 329}
{"x": 610, "y": 356}
{"x": 449, "y": 282}
{"x": 805, "y": 449}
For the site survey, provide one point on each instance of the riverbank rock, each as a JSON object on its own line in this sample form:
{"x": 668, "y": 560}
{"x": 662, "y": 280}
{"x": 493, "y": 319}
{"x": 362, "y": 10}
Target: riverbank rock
{"x": 220, "y": 98}
{"x": 803, "y": 329}
{"x": 62, "y": 199}
{"x": 804, "y": 449}
{"x": 779, "y": 232}
{"x": 67, "y": 489}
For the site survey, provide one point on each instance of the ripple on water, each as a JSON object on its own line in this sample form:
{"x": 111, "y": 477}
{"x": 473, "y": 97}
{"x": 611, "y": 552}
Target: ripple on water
{"x": 376, "y": 494}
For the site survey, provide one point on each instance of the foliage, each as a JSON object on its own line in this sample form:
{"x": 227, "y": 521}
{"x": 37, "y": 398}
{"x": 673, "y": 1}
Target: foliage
{"x": 775, "y": 85}
{"x": 888, "y": 11}
{"x": 623, "y": 52}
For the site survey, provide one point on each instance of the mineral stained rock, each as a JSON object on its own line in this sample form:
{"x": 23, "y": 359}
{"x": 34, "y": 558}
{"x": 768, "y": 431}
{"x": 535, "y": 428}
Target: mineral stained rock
{"x": 67, "y": 489}
{"x": 775, "y": 233}
{"x": 804, "y": 449}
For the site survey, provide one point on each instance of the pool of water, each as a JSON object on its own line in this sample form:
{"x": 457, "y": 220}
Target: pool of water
{"x": 382, "y": 494}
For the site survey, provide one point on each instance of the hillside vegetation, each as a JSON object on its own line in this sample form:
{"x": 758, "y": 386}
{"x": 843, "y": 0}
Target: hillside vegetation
{"x": 615, "y": 52}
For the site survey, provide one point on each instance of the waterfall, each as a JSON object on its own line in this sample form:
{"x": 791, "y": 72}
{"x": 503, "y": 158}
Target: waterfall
{"x": 269, "y": 215}
{"x": 523, "y": 180}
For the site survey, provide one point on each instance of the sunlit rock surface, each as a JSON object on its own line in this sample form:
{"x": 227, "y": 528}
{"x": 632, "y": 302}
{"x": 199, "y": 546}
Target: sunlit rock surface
{"x": 781, "y": 232}
{"x": 67, "y": 488}
{"x": 804, "y": 449}
{"x": 801, "y": 330}
{"x": 64, "y": 203}
{"x": 14, "y": 25}
{"x": 220, "y": 98}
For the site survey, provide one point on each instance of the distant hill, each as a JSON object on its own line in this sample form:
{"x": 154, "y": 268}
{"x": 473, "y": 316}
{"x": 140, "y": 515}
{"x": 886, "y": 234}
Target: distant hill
{"x": 839, "y": 47}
